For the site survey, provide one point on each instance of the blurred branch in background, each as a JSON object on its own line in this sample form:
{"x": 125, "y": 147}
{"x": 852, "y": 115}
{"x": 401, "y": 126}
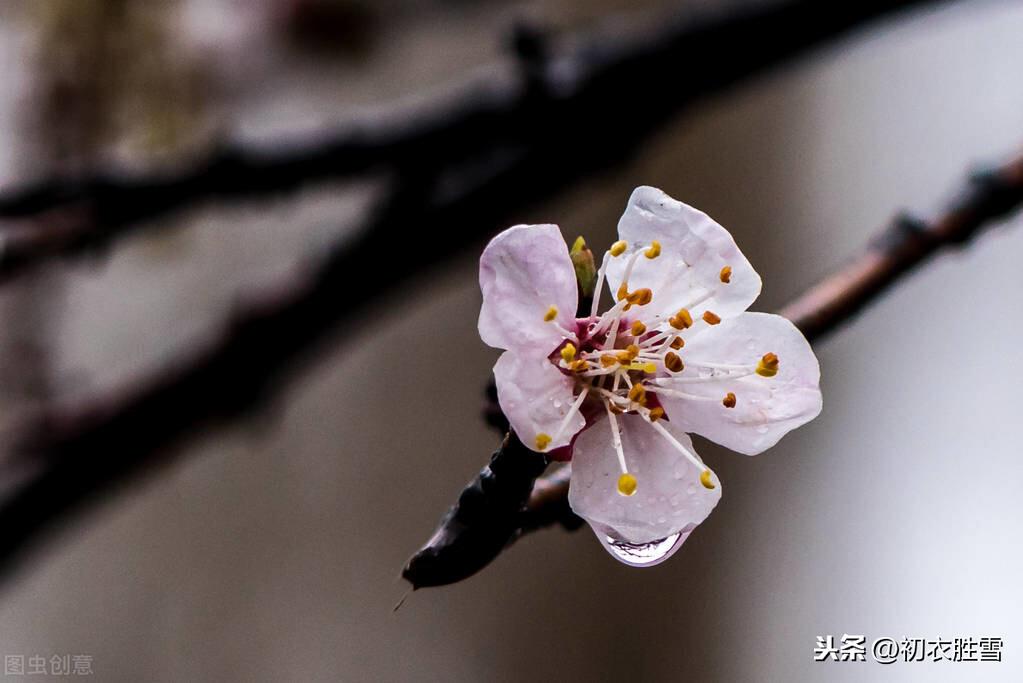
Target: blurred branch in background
{"x": 461, "y": 169}
{"x": 533, "y": 122}
{"x": 456, "y": 550}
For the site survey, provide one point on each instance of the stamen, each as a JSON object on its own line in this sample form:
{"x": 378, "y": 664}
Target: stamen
{"x": 677, "y": 343}
{"x": 619, "y": 247}
{"x": 641, "y": 297}
{"x": 637, "y": 328}
{"x": 568, "y": 352}
{"x": 649, "y": 368}
{"x": 626, "y": 484}
{"x": 551, "y": 314}
{"x": 672, "y": 381}
{"x": 542, "y": 441}
{"x": 599, "y": 288}
{"x": 678, "y": 446}
{"x": 768, "y": 365}
{"x": 705, "y": 479}
{"x": 681, "y": 320}
{"x": 579, "y": 366}
{"x": 637, "y": 394}
{"x": 571, "y": 413}
{"x": 729, "y": 400}
{"x": 711, "y": 318}
{"x": 616, "y": 437}
{"x": 679, "y": 394}
{"x": 656, "y": 414}
{"x": 654, "y": 251}
{"x": 607, "y": 360}
{"x": 673, "y": 362}
{"x": 726, "y": 274}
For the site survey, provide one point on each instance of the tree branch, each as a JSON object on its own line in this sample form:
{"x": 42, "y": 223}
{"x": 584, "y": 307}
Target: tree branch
{"x": 509, "y": 150}
{"x": 901, "y": 247}
{"x": 501, "y": 123}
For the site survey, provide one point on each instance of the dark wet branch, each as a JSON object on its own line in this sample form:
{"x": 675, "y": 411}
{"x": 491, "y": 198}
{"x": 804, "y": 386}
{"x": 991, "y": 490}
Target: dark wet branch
{"x": 903, "y": 246}
{"x": 553, "y": 103}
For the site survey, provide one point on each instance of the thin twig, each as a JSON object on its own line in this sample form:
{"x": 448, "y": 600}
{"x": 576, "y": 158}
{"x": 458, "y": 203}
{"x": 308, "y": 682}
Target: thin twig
{"x": 903, "y": 246}
{"x": 551, "y": 104}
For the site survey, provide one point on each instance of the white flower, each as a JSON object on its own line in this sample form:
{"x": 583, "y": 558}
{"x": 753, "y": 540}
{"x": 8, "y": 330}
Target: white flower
{"x": 677, "y": 353}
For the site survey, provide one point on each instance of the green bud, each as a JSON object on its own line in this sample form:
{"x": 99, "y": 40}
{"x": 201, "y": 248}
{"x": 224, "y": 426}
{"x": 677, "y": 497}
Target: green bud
{"x": 585, "y": 269}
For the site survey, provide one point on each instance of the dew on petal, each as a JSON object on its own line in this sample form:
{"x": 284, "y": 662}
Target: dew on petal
{"x": 641, "y": 554}
{"x": 680, "y": 469}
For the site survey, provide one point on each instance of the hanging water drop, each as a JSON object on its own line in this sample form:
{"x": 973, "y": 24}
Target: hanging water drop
{"x": 641, "y": 554}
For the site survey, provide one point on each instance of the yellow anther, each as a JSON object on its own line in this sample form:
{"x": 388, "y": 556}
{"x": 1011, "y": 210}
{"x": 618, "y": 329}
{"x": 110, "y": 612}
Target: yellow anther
{"x": 656, "y": 414}
{"x": 579, "y": 366}
{"x": 623, "y": 292}
{"x": 726, "y": 274}
{"x": 637, "y": 394}
{"x": 677, "y": 343}
{"x": 673, "y": 362}
{"x": 768, "y": 365}
{"x": 641, "y": 297}
{"x": 729, "y": 400}
{"x": 637, "y": 328}
{"x": 629, "y": 354}
{"x": 681, "y": 320}
{"x": 568, "y": 352}
{"x": 706, "y": 480}
{"x": 626, "y": 484}
{"x": 607, "y": 360}
{"x": 542, "y": 441}
{"x": 711, "y": 318}
{"x": 619, "y": 247}
{"x": 654, "y": 251}
{"x": 551, "y": 314}
{"x": 647, "y": 367}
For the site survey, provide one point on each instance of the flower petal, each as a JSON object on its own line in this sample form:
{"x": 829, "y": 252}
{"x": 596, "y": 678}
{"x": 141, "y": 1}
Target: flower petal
{"x": 536, "y": 397}
{"x": 524, "y": 271}
{"x": 691, "y": 267}
{"x": 766, "y": 408}
{"x": 669, "y": 497}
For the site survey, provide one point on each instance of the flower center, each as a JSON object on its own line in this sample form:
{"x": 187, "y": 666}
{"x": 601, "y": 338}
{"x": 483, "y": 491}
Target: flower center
{"x": 623, "y": 360}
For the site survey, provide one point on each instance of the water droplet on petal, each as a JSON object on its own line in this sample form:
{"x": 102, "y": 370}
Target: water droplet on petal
{"x": 641, "y": 554}
{"x": 762, "y": 429}
{"x": 680, "y": 470}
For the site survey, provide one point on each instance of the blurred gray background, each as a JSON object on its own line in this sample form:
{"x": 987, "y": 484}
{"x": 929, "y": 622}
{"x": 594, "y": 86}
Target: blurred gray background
{"x": 271, "y": 550}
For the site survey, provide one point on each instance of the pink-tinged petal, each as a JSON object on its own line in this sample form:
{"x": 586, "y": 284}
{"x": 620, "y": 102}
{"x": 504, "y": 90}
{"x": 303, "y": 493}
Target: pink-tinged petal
{"x": 536, "y": 397}
{"x": 669, "y": 498}
{"x": 697, "y": 255}
{"x": 524, "y": 271}
{"x": 766, "y": 408}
